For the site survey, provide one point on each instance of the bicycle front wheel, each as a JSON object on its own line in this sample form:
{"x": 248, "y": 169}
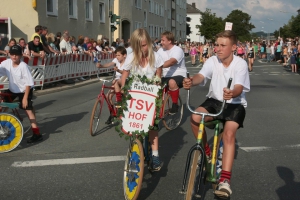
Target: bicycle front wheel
{"x": 95, "y": 117}
{"x": 11, "y": 132}
{"x": 195, "y": 183}
{"x": 133, "y": 171}
{"x": 172, "y": 121}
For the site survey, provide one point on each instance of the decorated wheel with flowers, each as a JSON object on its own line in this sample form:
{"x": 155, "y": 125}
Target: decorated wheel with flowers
{"x": 133, "y": 170}
{"x": 11, "y": 132}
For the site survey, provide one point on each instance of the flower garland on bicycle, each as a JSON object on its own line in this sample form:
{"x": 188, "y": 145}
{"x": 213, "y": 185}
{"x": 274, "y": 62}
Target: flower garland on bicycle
{"x": 144, "y": 61}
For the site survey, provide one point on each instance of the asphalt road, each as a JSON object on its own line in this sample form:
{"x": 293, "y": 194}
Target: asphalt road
{"x": 266, "y": 163}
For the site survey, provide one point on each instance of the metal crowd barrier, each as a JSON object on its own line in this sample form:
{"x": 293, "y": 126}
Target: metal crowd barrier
{"x": 54, "y": 68}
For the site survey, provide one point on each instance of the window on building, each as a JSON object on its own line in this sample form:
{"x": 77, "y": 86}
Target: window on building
{"x": 102, "y": 12}
{"x": 52, "y": 8}
{"x": 150, "y": 6}
{"x": 73, "y": 9}
{"x": 145, "y": 19}
{"x": 151, "y": 30}
{"x": 162, "y": 10}
{"x": 88, "y": 10}
{"x": 169, "y": 13}
{"x": 138, "y": 4}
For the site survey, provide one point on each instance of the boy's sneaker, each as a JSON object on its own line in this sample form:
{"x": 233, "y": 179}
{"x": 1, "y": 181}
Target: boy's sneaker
{"x": 35, "y": 138}
{"x": 174, "y": 109}
{"x": 109, "y": 120}
{"x": 223, "y": 189}
{"x": 155, "y": 165}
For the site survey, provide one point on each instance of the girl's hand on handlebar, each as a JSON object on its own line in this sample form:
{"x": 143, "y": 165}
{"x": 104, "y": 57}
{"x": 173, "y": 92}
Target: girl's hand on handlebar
{"x": 187, "y": 83}
{"x": 227, "y": 94}
{"x": 115, "y": 68}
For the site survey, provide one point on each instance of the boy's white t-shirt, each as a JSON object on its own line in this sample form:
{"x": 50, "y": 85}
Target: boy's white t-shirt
{"x": 118, "y": 64}
{"x": 237, "y": 70}
{"x": 148, "y": 71}
{"x": 179, "y": 68}
{"x": 19, "y": 77}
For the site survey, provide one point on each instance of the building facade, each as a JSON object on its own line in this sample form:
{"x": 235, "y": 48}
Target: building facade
{"x": 79, "y": 17}
{"x": 195, "y": 15}
{"x": 156, "y": 16}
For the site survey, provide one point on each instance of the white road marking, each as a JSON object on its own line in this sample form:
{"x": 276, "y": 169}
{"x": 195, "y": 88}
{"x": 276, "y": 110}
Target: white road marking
{"x": 273, "y": 74}
{"x": 68, "y": 161}
{"x": 187, "y": 61}
{"x": 250, "y": 149}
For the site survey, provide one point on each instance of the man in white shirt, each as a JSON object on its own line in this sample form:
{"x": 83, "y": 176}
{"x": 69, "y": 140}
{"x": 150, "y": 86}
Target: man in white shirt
{"x": 219, "y": 69}
{"x": 174, "y": 69}
{"x": 64, "y": 45}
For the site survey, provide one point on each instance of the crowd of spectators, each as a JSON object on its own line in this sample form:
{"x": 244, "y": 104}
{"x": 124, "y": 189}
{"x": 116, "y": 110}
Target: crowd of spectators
{"x": 44, "y": 43}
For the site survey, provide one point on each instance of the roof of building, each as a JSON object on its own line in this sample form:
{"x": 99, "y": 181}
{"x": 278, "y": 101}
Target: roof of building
{"x": 191, "y": 8}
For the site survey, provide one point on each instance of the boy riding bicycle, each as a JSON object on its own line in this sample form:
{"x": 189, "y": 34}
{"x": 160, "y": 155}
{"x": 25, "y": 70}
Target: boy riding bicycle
{"x": 174, "y": 69}
{"x": 118, "y": 62}
{"x": 219, "y": 69}
{"x": 21, "y": 86}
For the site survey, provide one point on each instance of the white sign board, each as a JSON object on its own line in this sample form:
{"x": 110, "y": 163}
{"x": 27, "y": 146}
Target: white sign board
{"x": 141, "y": 107}
{"x": 228, "y": 26}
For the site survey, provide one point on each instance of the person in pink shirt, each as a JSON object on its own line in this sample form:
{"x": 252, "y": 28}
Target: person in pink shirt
{"x": 193, "y": 53}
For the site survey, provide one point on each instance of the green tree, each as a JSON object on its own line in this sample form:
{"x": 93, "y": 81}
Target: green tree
{"x": 295, "y": 26}
{"x": 241, "y": 24}
{"x": 210, "y": 24}
{"x": 291, "y": 29}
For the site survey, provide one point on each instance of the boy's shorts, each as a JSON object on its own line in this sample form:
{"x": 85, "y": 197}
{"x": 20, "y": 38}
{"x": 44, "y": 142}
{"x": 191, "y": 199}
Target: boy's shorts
{"x": 177, "y": 79}
{"x": 20, "y": 96}
{"x": 231, "y": 112}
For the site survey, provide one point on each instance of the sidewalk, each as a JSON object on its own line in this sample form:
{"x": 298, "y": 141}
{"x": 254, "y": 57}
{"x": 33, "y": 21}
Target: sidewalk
{"x": 60, "y": 86}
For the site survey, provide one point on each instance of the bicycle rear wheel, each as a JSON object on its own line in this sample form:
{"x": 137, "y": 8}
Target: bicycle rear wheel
{"x": 96, "y": 114}
{"x": 11, "y": 132}
{"x": 133, "y": 171}
{"x": 172, "y": 121}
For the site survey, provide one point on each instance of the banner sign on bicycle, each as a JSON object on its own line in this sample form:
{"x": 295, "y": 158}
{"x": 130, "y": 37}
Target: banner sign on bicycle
{"x": 141, "y": 107}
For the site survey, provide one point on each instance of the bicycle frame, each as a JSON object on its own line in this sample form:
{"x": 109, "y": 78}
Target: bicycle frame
{"x": 112, "y": 110}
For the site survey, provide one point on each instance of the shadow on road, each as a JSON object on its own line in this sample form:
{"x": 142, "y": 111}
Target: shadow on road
{"x": 50, "y": 125}
{"x": 43, "y": 105}
{"x": 171, "y": 143}
{"x": 291, "y": 188}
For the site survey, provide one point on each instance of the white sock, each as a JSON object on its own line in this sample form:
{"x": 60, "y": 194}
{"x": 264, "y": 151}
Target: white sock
{"x": 155, "y": 153}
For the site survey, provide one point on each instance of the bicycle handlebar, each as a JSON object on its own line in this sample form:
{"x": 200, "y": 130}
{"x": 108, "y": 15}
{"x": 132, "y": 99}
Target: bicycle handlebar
{"x": 201, "y": 113}
{"x": 104, "y": 80}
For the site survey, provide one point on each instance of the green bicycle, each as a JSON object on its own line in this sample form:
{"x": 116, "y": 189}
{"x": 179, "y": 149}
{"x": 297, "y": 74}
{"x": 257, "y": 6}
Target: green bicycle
{"x": 199, "y": 168}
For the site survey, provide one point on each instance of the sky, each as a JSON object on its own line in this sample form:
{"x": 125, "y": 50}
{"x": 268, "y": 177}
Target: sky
{"x": 266, "y": 15}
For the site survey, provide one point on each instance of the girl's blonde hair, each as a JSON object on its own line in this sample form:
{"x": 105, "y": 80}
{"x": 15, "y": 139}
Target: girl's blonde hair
{"x": 136, "y": 39}
{"x": 50, "y": 37}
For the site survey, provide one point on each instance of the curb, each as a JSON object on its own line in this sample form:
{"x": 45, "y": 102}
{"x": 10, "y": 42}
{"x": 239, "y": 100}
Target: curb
{"x": 63, "y": 87}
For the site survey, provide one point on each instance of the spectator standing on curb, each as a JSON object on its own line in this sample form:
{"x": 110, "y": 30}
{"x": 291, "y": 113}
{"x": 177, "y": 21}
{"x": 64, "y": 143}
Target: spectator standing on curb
{"x": 65, "y": 46}
{"x": 35, "y": 47}
{"x": 22, "y": 87}
{"x": 11, "y": 43}
{"x": 38, "y": 32}
{"x": 268, "y": 50}
{"x": 128, "y": 48}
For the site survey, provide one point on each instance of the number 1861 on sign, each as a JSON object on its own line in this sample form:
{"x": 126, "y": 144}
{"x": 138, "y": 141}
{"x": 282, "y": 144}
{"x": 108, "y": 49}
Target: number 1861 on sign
{"x": 136, "y": 125}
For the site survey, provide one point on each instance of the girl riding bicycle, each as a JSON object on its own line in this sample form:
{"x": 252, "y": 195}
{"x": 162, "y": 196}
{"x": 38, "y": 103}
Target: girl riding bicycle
{"x": 118, "y": 62}
{"x": 144, "y": 61}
